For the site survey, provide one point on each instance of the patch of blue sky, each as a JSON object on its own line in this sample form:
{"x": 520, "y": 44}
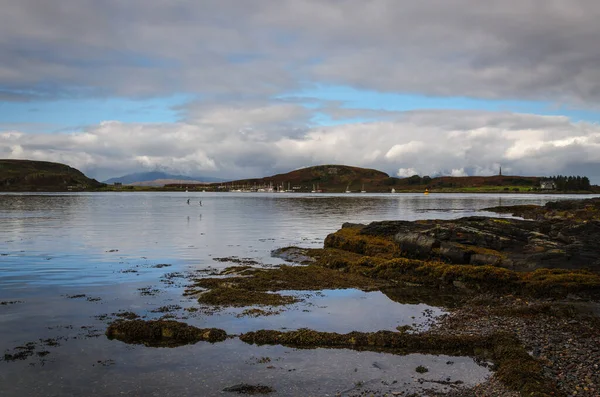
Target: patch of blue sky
{"x": 325, "y": 120}
{"x": 69, "y": 113}
{"x": 353, "y": 98}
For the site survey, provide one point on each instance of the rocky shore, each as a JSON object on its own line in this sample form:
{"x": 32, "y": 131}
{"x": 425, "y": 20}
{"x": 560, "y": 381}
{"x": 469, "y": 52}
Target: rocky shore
{"x": 524, "y": 295}
{"x": 561, "y": 335}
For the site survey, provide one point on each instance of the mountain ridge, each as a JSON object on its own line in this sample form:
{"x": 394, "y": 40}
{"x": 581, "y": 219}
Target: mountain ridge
{"x": 140, "y": 177}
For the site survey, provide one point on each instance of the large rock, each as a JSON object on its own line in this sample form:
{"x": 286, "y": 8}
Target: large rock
{"x": 418, "y": 244}
{"x": 511, "y": 243}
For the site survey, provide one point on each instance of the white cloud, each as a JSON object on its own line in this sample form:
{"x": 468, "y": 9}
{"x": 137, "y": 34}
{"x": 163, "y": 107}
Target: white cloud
{"x": 397, "y": 152}
{"x": 423, "y": 142}
{"x": 406, "y": 172}
{"x": 458, "y": 172}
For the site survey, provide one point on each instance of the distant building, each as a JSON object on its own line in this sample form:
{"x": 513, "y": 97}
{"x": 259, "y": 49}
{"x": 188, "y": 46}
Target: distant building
{"x": 547, "y": 185}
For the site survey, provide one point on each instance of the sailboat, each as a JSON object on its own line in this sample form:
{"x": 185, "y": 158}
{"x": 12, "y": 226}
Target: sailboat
{"x": 426, "y": 192}
{"x": 348, "y": 189}
{"x": 363, "y": 189}
{"x": 393, "y": 190}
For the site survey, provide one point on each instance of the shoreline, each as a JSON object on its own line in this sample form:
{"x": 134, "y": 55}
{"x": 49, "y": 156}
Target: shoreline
{"x": 398, "y": 192}
{"x": 535, "y": 326}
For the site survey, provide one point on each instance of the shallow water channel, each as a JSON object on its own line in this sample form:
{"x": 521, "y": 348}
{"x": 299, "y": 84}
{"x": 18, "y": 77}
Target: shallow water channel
{"x": 70, "y": 264}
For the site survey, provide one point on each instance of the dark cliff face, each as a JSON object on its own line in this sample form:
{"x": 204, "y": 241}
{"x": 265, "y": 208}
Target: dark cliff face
{"x": 26, "y": 175}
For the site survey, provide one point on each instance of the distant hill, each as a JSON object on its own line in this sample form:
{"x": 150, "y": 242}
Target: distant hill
{"x": 158, "y": 175}
{"x": 331, "y": 178}
{"x": 163, "y": 182}
{"x": 339, "y": 178}
{"x": 27, "y": 175}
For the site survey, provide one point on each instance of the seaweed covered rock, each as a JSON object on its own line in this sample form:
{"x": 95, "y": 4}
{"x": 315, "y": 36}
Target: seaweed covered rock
{"x": 260, "y": 286}
{"x": 373, "y": 340}
{"x": 239, "y": 297}
{"x": 573, "y": 210}
{"x": 244, "y": 388}
{"x": 161, "y": 333}
{"x": 511, "y": 243}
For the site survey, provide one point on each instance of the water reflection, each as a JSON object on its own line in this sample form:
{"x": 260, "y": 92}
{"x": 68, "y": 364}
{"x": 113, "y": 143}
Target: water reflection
{"x": 76, "y": 235}
{"x": 205, "y": 370}
{"x": 106, "y": 245}
{"x": 339, "y": 311}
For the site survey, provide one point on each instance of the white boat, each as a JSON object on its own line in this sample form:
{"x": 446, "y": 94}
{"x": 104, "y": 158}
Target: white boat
{"x": 348, "y": 189}
{"x": 393, "y": 190}
{"x": 363, "y": 189}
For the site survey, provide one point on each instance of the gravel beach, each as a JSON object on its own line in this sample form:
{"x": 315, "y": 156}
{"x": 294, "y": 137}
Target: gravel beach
{"x": 565, "y": 336}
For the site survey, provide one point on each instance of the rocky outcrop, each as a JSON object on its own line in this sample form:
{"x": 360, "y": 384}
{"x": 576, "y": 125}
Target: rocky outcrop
{"x": 511, "y": 243}
{"x": 571, "y": 210}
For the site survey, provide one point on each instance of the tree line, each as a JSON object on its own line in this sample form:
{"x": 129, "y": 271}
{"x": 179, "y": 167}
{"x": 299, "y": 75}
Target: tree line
{"x": 571, "y": 182}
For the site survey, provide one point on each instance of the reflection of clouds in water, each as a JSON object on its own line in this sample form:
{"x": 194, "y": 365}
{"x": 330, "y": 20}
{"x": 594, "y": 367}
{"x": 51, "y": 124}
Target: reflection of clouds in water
{"x": 342, "y": 311}
{"x": 209, "y": 368}
{"x": 77, "y": 230}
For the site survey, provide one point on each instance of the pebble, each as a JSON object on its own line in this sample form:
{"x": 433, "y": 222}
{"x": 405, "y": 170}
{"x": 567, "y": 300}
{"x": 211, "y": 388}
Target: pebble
{"x": 567, "y": 348}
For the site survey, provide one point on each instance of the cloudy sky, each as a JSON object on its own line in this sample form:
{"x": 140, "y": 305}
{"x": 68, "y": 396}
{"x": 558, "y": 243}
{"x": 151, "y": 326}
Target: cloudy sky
{"x": 234, "y": 88}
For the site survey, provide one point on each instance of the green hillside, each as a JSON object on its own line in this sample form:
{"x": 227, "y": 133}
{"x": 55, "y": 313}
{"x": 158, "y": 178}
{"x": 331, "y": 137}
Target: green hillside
{"x": 27, "y": 175}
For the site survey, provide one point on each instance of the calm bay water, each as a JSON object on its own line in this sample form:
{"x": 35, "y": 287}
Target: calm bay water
{"x": 107, "y": 246}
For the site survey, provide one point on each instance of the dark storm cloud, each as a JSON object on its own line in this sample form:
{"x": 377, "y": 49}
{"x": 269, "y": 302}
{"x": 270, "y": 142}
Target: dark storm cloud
{"x": 500, "y": 49}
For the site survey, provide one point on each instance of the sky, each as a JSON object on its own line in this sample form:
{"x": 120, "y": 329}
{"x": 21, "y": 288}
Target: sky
{"x": 238, "y": 89}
